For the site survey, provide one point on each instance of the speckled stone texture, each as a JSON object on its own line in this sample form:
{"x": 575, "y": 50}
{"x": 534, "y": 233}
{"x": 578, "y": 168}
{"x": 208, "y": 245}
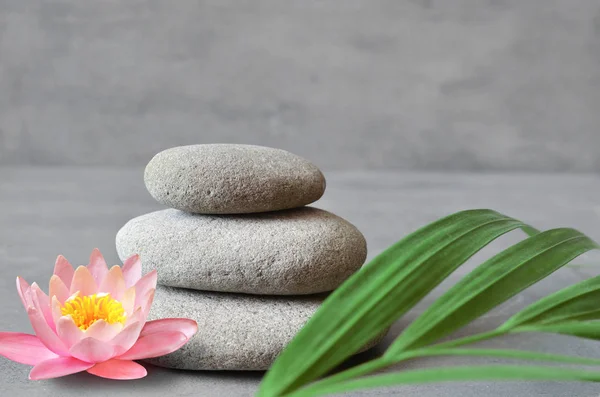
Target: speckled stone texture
{"x": 232, "y": 179}
{"x": 235, "y": 332}
{"x": 300, "y": 251}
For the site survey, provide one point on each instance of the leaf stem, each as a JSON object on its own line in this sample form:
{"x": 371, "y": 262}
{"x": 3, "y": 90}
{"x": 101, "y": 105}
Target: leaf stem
{"x": 471, "y": 339}
{"x": 359, "y": 370}
{"x": 385, "y": 361}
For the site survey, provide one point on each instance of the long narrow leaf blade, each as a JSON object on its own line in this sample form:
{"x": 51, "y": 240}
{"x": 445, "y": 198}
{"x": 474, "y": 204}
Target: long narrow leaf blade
{"x": 462, "y": 352}
{"x": 589, "y": 329}
{"x": 578, "y": 301}
{"x": 492, "y": 283}
{"x": 383, "y": 290}
{"x": 505, "y": 353}
{"x": 452, "y": 374}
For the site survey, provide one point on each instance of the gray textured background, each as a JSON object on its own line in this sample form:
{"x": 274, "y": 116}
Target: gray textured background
{"x": 439, "y": 85}
{"x": 450, "y": 85}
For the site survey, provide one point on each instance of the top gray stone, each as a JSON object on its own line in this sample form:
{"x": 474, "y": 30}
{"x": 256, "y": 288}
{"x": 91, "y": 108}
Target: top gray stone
{"x": 232, "y": 179}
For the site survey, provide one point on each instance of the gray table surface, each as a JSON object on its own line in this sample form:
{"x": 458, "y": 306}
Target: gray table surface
{"x": 48, "y": 211}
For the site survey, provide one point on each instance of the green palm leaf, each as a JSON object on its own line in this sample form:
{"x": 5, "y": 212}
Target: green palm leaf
{"x": 390, "y": 285}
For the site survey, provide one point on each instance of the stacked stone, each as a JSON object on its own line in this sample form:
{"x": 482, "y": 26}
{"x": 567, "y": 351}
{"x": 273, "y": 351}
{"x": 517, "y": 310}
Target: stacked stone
{"x": 238, "y": 251}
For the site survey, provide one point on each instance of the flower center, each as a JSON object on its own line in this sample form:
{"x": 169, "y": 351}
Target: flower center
{"x": 86, "y": 310}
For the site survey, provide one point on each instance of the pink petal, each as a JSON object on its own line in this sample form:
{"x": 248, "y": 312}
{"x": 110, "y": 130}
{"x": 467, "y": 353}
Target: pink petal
{"x": 113, "y": 283}
{"x": 135, "y": 317}
{"x": 132, "y": 270}
{"x": 56, "y": 310}
{"x": 58, "y": 289}
{"x": 64, "y": 270}
{"x": 147, "y": 304}
{"x": 23, "y": 348}
{"x": 97, "y": 266}
{"x": 155, "y": 345}
{"x": 184, "y": 325}
{"x": 45, "y": 333}
{"x": 92, "y": 350}
{"x": 43, "y": 303}
{"x": 83, "y": 282}
{"x": 22, "y": 289}
{"x": 144, "y": 285}
{"x": 118, "y": 369}
{"x": 57, "y": 367}
{"x": 128, "y": 300}
{"x": 68, "y": 331}
{"x": 127, "y": 337}
{"x": 103, "y": 331}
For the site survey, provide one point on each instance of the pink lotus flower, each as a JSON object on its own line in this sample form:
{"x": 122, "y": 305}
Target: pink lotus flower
{"x": 93, "y": 320}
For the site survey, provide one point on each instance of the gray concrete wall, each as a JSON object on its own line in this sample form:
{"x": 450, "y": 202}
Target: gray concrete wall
{"x": 446, "y": 84}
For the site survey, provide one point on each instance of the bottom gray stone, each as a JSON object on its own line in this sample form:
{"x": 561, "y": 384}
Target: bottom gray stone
{"x": 235, "y": 331}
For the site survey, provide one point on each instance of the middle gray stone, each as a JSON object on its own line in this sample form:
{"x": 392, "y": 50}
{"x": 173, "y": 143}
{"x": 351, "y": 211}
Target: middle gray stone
{"x": 300, "y": 251}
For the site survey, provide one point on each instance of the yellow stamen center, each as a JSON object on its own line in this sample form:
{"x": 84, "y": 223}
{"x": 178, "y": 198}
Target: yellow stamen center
{"x": 86, "y": 310}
